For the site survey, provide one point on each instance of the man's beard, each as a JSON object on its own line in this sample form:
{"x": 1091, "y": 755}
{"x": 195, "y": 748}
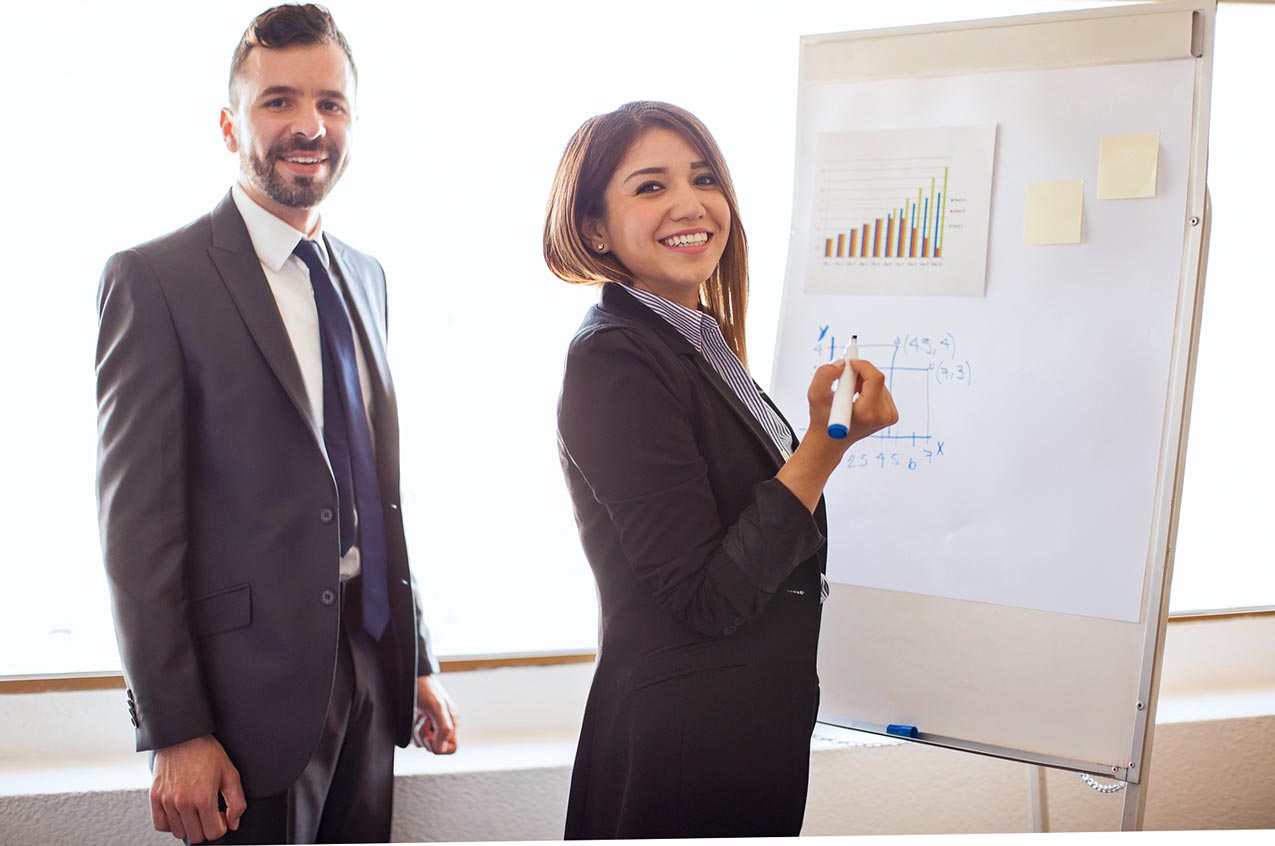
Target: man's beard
{"x": 299, "y": 192}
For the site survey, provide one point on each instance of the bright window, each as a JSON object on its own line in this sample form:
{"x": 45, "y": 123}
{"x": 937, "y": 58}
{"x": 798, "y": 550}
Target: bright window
{"x": 464, "y": 109}
{"x": 1224, "y": 552}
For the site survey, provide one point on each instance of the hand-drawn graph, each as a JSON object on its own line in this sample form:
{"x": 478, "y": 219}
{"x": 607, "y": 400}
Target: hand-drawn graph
{"x": 901, "y": 211}
{"x": 921, "y": 372}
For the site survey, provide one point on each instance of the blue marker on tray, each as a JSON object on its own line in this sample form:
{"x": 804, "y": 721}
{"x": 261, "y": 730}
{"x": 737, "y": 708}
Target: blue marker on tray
{"x": 843, "y": 399}
{"x": 903, "y": 731}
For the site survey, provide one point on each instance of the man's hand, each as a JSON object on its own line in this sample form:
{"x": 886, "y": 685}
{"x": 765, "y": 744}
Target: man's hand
{"x": 436, "y": 721}
{"x": 188, "y": 777}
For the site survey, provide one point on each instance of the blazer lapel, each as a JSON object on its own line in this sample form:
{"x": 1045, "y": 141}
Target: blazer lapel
{"x": 741, "y": 411}
{"x": 621, "y": 303}
{"x": 240, "y": 270}
{"x": 365, "y": 321}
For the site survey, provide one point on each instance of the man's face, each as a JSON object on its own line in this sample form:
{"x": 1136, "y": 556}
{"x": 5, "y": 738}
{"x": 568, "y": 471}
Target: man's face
{"x": 291, "y": 121}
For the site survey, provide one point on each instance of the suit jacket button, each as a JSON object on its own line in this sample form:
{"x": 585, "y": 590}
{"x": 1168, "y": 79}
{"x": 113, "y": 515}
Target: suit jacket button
{"x": 327, "y": 515}
{"x": 729, "y": 630}
{"x": 134, "y": 721}
{"x": 328, "y": 597}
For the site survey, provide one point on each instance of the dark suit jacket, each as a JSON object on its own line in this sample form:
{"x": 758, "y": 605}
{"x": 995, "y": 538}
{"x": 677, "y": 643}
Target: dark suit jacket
{"x": 217, "y": 505}
{"x": 704, "y": 698}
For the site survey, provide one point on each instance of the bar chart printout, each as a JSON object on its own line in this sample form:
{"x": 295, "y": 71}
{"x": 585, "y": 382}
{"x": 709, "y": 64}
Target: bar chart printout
{"x": 901, "y": 211}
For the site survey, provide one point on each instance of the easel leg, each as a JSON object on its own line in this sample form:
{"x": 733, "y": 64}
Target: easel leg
{"x": 1135, "y": 805}
{"x": 1038, "y": 798}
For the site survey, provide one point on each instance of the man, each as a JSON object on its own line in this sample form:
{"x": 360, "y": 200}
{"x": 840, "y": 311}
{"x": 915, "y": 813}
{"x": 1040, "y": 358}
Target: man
{"x": 248, "y": 483}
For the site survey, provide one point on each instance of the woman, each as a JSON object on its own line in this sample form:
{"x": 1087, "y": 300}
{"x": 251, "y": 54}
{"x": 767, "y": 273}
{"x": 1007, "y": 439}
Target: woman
{"x": 700, "y": 517}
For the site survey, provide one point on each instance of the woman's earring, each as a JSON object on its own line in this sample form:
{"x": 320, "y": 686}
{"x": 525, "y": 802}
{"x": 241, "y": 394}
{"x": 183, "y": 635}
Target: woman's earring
{"x": 601, "y": 247}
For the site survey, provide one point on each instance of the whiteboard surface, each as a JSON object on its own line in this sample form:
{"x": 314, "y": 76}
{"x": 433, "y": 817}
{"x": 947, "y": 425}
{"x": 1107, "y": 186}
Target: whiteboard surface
{"x": 1023, "y": 469}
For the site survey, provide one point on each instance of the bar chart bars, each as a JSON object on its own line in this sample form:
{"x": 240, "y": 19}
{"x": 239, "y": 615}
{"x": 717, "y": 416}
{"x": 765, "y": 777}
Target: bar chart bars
{"x": 912, "y": 229}
{"x": 901, "y": 211}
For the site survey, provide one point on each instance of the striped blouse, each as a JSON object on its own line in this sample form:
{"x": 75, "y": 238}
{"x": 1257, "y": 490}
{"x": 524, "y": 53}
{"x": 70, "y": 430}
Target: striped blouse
{"x": 702, "y": 332}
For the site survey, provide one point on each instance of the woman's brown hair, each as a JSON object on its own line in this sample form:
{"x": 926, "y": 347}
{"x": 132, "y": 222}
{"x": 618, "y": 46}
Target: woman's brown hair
{"x": 588, "y": 163}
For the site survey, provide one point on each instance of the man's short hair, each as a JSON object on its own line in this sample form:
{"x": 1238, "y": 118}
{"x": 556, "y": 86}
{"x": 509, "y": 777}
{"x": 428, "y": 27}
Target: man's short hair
{"x": 286, "y": 26}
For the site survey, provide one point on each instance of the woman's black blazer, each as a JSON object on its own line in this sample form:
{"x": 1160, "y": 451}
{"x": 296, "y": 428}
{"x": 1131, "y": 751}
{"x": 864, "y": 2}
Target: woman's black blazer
{"x": 698, "y": 723}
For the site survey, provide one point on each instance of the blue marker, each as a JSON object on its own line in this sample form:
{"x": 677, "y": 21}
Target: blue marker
{"x": 843, "y": 399}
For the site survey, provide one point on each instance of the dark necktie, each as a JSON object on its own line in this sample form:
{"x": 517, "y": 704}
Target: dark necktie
{"x": 348, "y": 439}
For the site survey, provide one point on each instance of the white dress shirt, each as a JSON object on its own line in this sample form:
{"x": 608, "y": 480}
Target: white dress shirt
{"x": 289, "y": 279}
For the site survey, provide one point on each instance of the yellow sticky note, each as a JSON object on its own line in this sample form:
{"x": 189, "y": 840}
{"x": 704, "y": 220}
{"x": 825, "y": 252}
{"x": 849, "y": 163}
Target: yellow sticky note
{"x": 1127, "y": 166}
{"x": 1054, "y": 212}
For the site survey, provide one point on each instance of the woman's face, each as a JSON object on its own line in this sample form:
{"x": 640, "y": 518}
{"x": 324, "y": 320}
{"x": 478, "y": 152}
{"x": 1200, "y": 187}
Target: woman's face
{"x": 666, "y": 219}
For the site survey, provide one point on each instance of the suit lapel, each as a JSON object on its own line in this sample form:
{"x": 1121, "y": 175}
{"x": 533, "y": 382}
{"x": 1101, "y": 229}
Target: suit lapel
{"x": 619, "y": 302}
{"x": 369, "y": 327}
{"x": 364, "y": 314}
{"x": 236, "y": 260}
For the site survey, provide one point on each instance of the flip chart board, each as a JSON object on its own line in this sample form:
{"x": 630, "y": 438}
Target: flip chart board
{"x": 1000, "y": 558}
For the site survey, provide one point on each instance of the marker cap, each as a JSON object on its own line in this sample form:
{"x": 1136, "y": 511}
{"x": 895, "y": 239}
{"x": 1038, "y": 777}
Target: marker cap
{"x": 836, "y": 430}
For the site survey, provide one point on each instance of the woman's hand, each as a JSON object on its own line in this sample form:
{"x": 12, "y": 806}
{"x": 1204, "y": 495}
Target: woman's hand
{"x": 874, "y": 410}
{"x": 812, "y": 464}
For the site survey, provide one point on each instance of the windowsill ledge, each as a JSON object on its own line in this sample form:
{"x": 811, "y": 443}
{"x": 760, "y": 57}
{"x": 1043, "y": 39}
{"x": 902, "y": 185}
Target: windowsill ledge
{"x": 130, "y": 771}
{"x": 515, "y": 751}
{"x": 61, "y": 743}
{"x": 511, "y": 752}
{"x": 1197, "y": 706}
